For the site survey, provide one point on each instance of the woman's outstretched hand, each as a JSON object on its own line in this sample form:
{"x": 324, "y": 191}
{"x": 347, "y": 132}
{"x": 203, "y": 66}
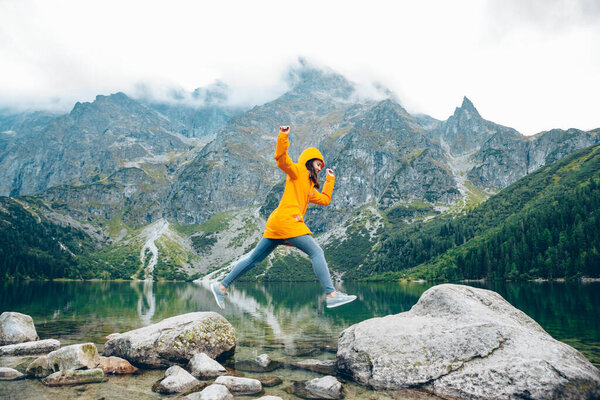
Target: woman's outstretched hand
{"x": 284, "y": 129}
{"x": 330, "y": 172}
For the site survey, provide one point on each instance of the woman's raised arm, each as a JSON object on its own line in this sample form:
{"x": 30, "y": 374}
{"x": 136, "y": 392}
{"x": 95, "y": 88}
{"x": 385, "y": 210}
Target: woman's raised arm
{"x": 284, "y": 162}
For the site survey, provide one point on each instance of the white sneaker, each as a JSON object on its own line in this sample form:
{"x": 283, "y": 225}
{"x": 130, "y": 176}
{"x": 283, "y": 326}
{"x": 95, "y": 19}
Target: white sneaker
{"x": 339, "y": 300}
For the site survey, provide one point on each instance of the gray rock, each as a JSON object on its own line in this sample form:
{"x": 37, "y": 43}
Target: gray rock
{"x": 325, "y": 388}
{"x": 30, "y": 348}
{"x": 203, "y": 367}
{"x": 240, "y": 385}
{"x": 176, "y": 380}
{"x": 16, "y": 328}
{"x": 39, "y": 368}
{"x": 463, "y": 342}
{"x": 212, "y": 392}
{"x": 69, "y": 357}
{"x": 263, "y": 360}
{"x": 74, "y": 377}
{"x": 175, "y": 339}
{"x": 252, "y": 366}
{"x": 9, "y": 374}
{"x": 327, "y": 367}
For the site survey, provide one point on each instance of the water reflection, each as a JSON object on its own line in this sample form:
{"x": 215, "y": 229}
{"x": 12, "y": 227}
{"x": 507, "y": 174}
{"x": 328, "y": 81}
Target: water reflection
{"x": 285, "y": 316}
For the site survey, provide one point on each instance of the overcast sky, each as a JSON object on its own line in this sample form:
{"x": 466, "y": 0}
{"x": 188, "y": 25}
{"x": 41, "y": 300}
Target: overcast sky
{"x": 530, "y": 65}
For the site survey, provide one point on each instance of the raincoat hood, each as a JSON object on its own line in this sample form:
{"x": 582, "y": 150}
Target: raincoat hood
{"x": 309, "y": 154}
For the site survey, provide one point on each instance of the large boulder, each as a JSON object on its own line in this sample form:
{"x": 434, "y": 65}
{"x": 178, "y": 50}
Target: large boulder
{"x": 30, "y": 348}
{"x": 467, "y": 343}
{"x": 174, "y": 340}
{"x": 76, "y": 356}
{"x": 16, "y": 328}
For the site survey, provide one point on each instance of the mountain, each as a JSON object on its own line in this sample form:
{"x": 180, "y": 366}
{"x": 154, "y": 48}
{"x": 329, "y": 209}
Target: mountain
{"x": 142, "y": 172}
{"x": 546, "y": 225}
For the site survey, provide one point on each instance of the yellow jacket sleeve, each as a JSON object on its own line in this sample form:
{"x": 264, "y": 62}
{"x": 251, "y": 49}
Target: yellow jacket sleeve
{"x": 323, "y": 198}
{"x": 284, "y": 162}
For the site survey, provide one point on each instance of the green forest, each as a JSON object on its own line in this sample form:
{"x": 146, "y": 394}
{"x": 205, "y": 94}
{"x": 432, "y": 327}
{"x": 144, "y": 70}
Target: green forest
{"x": 546, "y": 225}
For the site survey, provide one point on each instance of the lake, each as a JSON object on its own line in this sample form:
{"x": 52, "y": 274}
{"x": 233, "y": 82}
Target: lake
{"x": 287, "y": 321}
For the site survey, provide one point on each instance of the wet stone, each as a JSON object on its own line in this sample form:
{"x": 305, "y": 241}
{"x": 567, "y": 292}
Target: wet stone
{"x": 240, "y": 386}
{"x": 74, "y": 377}
{"x": 270, "y": 381}
{"x": 252, "y": 366}
{"x": 9, "y": 374}
{"x": 30, "y": 348}
{"x": 327, "y": 367}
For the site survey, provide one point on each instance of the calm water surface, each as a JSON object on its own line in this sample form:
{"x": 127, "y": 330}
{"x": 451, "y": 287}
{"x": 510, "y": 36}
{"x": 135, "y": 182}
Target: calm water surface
{"x": 288, "y": 321}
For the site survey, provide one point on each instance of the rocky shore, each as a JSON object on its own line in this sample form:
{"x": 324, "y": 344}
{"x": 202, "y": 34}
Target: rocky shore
{"x": 457, "y": 342}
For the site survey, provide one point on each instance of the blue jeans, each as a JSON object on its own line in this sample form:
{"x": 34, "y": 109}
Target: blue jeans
{"x": 306, "y": 243}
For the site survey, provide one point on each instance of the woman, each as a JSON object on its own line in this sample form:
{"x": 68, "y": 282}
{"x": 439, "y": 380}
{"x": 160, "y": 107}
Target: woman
{"x": 286, "y": 223}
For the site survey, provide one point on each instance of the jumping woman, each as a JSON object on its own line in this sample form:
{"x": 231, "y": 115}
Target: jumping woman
{"x": 286, "y": 223}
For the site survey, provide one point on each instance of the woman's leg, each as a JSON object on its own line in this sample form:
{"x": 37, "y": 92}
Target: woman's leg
{"x": 262, "y": 249}
{"x": 307, "y": 244}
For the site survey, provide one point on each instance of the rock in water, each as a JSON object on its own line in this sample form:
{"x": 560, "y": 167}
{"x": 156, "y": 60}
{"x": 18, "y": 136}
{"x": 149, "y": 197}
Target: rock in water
{"x": 212, "y": 392}
{"x": 117, "y": 366}
{"x": 9, "y": 374}
{"x": 176, "y": 380}
{"x": 16, "y": 328}
{"x": 30, "y": 348}
{"x": 69, "y": 357}
{"x": 325, "y": 388}
{"x": 468, "y": 343}
{"x": 240, "y": 386}
{"x": 327, "y": 367}
{"x": 263, "y": 360}
{"x": 203, "y": 367}
{"x": 174, "y": 339}
{"x": 74, "y": 377}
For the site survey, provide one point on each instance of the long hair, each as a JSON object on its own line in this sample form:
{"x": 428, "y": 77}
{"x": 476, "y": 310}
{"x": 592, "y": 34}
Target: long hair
{"x": 312, "y": 174}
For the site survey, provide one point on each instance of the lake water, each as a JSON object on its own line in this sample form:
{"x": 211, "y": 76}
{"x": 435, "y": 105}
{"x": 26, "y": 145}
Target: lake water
{"x": 287, "y": 321}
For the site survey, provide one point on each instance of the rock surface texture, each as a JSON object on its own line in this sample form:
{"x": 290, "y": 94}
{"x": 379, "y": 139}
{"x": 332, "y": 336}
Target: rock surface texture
{"x": 16, "y": 328}
{"x": 176, "y": 380}
{"x": 175, "y": 339}
{"x": 203, "y": 367}
{"x": 325, "y": 388}
{"x": 240, "y": 386}
{"x": 29, "y": 348}
{"x": 212, "y": 392}
{"x": 463, "y": 342}
{"x": 117, "y": 366}
{"x": 10, "y": 374}
{"x": 74, "y": 377}
{"x": 76, "y": 356}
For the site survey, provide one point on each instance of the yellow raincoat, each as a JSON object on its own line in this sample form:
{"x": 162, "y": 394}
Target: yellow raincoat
{"x": 287, "y": 220}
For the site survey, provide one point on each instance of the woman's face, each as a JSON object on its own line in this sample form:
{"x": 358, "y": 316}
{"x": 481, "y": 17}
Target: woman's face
{"x": 318, "y": 165}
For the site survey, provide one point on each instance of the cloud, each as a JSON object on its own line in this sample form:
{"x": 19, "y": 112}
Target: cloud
{"x": 532, "y": 65}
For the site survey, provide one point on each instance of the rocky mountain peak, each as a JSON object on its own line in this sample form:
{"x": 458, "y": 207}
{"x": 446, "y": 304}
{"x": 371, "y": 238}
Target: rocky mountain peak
{"x": 310, "y": 79}
{"x": 466, "y": 110}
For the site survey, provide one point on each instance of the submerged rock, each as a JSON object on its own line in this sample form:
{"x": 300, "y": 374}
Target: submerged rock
{"x": 74, "y": 377}
{"x": 212, "y": 392}
{"x": 76, "y": 356}
{"x": 9, "y": 374}
{"x": 240, "y": 386}
{"x": 176, "y": 380}
{"x": 174, "y": 339}
{"x": 252, "y": 366}
{"x": 203, "y": 367}
{"x": 269, "y": 381}
{"x": 117, "y": 366}
{"x": 16, "y": 328}
{"x": 468, "y": 343}
{"x": 325, "y": 388}
{"x": 30, "y": 348}
{"x": 327, "y": 367}
{"x": 263, "y": 360}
